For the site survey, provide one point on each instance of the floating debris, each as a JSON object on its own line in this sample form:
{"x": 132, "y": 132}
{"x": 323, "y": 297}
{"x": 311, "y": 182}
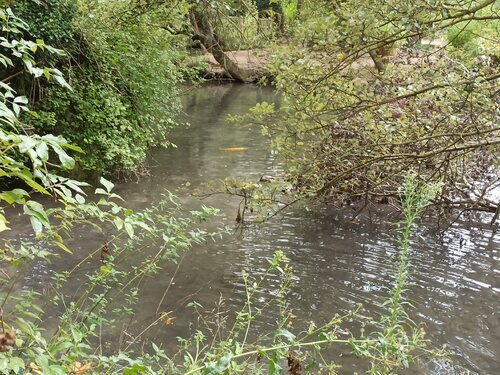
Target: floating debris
{"x": 235, "y": 148}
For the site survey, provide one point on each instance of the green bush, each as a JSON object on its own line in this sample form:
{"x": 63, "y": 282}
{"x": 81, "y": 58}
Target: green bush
{"x": 51, "y": 21}
{"x": 476, "y": 37}
{"x": 97, "y": 119}
{"x": 124, "y": 76}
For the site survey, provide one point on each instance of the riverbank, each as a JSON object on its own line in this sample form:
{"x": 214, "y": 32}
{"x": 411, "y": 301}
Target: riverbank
{"x": 361, "y": 70}
{"x": 255, "y": 60}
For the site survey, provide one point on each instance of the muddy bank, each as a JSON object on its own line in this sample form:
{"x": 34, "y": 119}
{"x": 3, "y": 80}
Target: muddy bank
{"x": 255, "y": 61}
{"x": 362, "y": 68}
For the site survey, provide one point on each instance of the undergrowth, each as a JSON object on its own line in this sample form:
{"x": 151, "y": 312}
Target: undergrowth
{"x": 223, "y": 343}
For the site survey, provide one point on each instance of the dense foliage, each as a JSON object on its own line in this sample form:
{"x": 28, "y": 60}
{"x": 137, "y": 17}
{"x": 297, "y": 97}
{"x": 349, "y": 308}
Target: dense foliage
{"x": 374, "y": 89}
{"x": 36, "y": 162}
{"x": 354, "y": 121}
{"x": 124, "y": 77}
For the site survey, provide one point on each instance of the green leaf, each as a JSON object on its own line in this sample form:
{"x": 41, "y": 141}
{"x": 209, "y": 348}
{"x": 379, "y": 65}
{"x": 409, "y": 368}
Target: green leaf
{"x": 3, "y": 225}
{"x": 107, "y": 184}
{"x": 274, "y": 368}
{"x": 24, "y": 326}
{"x": 64, "y": 247}
{"x": 118, "y": 223}
{"x": 100, "y": 191}
{"x": 36, "y": 225}
{"x": 38, "y": 216}
{"x": 13, "y": 196}
{"x": 21, "y": 100}
{"x": 129, "y": 229}
{"x": 16, "y": 364}
{"x": 27, "y": 143}
{"x": 42, "y": 151}
{"x": 60, "y": 79}
{"x": 135, "y": 369}
{"x": 221, "y": 366}
{"x": 72, "y": 147}
{"x": 290, "y": 337}
{"x": 26, "y": 176}
{"x": 66, "y": 161}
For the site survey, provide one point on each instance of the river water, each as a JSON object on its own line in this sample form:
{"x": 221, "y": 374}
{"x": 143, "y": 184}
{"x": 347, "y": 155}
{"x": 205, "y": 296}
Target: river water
{"x": 337, "y": 263}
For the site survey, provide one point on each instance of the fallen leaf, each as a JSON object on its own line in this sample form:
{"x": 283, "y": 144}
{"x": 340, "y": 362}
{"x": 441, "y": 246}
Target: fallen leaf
{"x": 37, "y": 370}
{"x": 169, "y": 320}
{"x": 77, "y": 368}
{"x": 235, "y": 148}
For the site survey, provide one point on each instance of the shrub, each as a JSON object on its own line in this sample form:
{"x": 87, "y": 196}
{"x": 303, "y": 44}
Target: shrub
{"x": 124, "y": 75}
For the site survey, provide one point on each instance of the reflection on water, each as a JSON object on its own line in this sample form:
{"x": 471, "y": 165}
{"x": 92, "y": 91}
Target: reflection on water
{"x": 337, "y": 263}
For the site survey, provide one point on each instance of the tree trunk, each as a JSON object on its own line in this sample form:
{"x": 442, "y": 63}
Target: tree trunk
{"x": 299, "y": 7}
{"x": 377, "y": 60}
{"x": 210, "y": 41}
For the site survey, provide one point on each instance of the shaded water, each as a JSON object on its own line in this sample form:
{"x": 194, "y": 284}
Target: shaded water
{"x": 338, "y": 263}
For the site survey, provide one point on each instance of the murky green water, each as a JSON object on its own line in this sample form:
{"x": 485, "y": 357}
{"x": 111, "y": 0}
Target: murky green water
{"x": 454, "y": 286}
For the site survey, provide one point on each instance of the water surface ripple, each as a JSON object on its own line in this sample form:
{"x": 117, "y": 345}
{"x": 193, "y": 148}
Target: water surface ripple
{"x": 338, "y": 264}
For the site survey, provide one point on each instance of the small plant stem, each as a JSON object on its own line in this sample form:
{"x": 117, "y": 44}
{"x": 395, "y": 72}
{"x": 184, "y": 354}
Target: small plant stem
{"x": 249, "y": 318}
{"x": 170, "y": 284}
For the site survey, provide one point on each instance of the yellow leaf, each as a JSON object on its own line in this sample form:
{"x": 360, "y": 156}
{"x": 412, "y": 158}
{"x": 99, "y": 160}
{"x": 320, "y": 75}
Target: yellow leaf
{"x": 35, "y": 368}
{"x": 169, "y": 321}
{"x": 77, "y": 368}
